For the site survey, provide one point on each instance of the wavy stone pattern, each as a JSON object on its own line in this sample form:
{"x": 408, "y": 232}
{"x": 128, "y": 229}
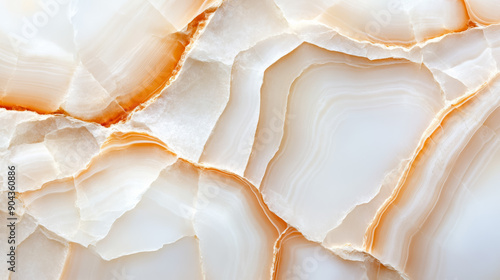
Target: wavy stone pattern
{"x": 96, "y": 61}
{"x": 251, "y": 139}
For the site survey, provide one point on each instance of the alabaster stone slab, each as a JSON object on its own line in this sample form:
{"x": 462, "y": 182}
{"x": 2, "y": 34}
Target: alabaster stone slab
{"x": 299, "y": 258}
{"x": 448, "y": 183}
{"x": 249, "y": 139}
{"x": 103, "y": 209}
{"x": 96, "y": 61}
{"x": 46, "y": 147}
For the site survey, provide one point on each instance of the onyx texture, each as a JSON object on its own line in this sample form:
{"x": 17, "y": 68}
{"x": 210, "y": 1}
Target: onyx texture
{"x": 250, "y": 139}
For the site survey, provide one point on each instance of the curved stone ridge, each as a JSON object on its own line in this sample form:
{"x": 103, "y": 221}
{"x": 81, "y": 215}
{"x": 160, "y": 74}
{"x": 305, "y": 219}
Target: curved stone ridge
{"x": 249, "y": 139}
